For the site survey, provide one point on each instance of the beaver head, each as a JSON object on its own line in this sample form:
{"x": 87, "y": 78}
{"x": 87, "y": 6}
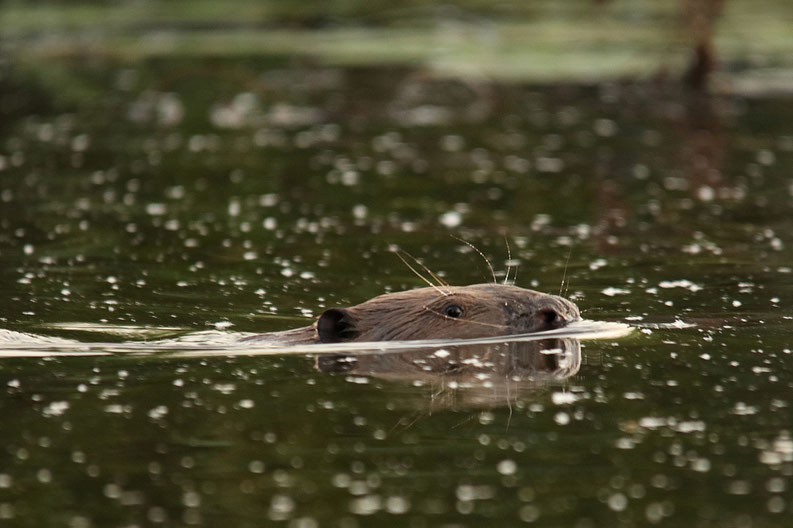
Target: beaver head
{"x": 448, "y": 312}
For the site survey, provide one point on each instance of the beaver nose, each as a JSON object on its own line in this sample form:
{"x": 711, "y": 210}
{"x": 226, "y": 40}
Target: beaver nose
{"x": 556, "y": 313}
{"x": 549, "y": 318}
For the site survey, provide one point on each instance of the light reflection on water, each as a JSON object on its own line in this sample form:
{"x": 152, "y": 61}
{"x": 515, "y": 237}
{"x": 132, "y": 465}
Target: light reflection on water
{"x": 151, "y": 211}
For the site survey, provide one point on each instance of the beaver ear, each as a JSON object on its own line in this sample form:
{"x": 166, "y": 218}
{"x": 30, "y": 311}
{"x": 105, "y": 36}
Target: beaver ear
{"x": 336, "y": 325}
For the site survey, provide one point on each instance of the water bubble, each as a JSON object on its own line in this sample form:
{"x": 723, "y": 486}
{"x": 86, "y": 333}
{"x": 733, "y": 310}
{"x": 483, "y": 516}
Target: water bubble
{"x": 654, "y": 512}
{"x": 7, "y": 510}
{"x": 366, "y": 505}
{"x": 529, "y": 513}
{"x": 55, "y": 408}
{"x": 397, "y": 505}
{"x": 79, "y": 521}
{"x": 304, "y": 522}
{"x": 44, "y": 476}
{"x": 739, "y": 487}
{"x": 452, "y": 143}
{"x": 157, "y": 514}
{"x": 191, "y": 499}
{"x": 156, "y": 209}
{"x": 605, "y": 127}
{"x": 507, "y": 467}
{"x": 617, "y": 502}
{"x": 612, "y": 291}
{"x": 451, "y": 219}
{"x": 701, "y": 465}
{"x": 563, "y": 398}
{"x": 158, "y": 412}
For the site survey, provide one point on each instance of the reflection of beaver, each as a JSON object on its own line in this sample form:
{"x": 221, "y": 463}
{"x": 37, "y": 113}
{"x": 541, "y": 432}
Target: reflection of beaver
{"x": 544, "y": 359}
{"x": 443, "y": 312}
{"x": 475, "y": 375}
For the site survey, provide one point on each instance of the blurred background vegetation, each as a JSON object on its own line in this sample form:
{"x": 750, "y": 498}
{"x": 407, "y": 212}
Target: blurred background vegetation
{"x": 538, "y": 41}
{"x": 248, "y": 134}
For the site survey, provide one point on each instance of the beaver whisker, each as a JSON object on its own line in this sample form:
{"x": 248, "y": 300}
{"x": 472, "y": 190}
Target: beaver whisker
{"x": 422, "y": 277}
{"x": 439, "y": 280}
{"x": 509, "y": 260}
{"x": 564, "y": 274}
{"x": 489, "y": 266}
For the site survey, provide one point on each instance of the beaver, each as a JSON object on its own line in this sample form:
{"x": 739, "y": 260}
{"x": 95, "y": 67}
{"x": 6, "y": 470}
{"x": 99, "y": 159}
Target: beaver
{"x": 438, "y": 312}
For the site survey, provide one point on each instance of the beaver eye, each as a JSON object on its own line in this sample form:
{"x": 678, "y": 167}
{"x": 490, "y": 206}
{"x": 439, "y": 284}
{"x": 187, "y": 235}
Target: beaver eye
{"x": 453, "y": 311}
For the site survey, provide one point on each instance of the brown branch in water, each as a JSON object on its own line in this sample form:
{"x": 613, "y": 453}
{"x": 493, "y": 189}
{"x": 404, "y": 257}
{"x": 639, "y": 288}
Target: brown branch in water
{"x": 700, "y": 17}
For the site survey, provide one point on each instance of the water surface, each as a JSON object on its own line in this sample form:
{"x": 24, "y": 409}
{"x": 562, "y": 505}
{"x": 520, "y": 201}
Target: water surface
{"x": 150, "y": 199}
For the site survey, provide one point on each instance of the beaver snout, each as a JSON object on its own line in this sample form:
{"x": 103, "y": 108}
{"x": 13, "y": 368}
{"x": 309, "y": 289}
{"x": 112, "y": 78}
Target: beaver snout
{"x": 550, "y": 317}
{"x": 555, "y": 312}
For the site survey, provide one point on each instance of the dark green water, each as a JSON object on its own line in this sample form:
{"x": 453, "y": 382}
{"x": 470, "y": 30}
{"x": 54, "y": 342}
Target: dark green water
{"x": 249, "y": 194}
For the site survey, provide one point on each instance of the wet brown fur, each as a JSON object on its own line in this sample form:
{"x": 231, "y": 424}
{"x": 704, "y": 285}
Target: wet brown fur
{"x": 487, "y": 310}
